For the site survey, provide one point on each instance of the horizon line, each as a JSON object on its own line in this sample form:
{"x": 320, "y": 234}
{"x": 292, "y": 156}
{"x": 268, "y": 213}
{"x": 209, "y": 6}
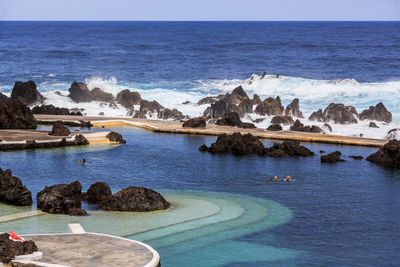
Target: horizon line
{"x": 21, "y": 20}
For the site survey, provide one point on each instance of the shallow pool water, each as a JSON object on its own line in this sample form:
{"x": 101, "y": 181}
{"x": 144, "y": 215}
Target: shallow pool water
{"x": 334, "y": 214}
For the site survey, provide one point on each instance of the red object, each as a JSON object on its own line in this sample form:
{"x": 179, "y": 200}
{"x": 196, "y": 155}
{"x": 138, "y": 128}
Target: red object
{"x": 16, "y": 238}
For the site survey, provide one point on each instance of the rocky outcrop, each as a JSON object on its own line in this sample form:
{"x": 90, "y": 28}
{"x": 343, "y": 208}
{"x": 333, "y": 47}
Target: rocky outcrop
{"x": 16, "y": 115}
{"x": 232, "y": 119}
{"x": 12, "y": 191}
{"x": 128, "y": 99}
{"x": 81, "y": 123}
{"x": 61, "y": 199}
{"x": 79, "y": 92}
{"x": 373, "y": 125}
{"x": 283, "y": 120}
{"x": 332, "y": 157}
{"x": 237, "y": 144}
{"x": 52, "y": 110}
{"x": 289, "y": 148}
{"x": 274, "y": 127}
{"x": 270, "y": 106}
{"x": 237, "y": 101}
{"x": 10, "y": 249}
{"x": 393, "y": 134}
{"x": 299, "y": 127}
{"x": 170, "y": 114}
{"x": 327, "y": 127}
{"x": 195, "y": 123}
{"x": 293, "y": 109}
{"x": 96, "y": 94}
{"x": 135, "y": 199}
{"x": 377, "y": 113}
{"x": 210, "y": 99}
{"x": 388, "y": 155}
{"x": 59, "y": 129}
{"x": 115, "y": 137}
{"x": 97, "y": 192}
{"x": 27, "y": 93}
{"x": 338, "y": 113}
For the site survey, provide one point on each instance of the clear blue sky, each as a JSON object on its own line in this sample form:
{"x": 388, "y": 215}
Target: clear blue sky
{"x": 199, "y": 10}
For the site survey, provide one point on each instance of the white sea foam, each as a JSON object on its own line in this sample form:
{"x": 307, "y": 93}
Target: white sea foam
{"x": 313, "y": 95}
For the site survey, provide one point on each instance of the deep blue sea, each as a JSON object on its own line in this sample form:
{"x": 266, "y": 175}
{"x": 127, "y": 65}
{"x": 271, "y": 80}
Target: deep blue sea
{"x": 344, "y": 214}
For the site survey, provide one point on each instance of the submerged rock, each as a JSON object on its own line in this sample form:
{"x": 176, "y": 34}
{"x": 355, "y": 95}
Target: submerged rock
{"x": 59, "y": 129}
{"x": 299, "y": 127}
{"x": 10, "y": 249}
{"x": 12, "y": 191}
{"x": 373, "y": 125}
{"x": 27, "y": 93}
{"x": 195, "y": 123}
{"x": 356, "y": 157}
{"x": 332, "y": 157}
{"x": 115, "y": 137}
{"x": 16, "y": 115}
{"x": 97, "y": 192}
{"x": 388, "y": 155}
{"x": 377, "y": 113}
{"x": 61, "y": 198}
{"x": 135, "y": 199}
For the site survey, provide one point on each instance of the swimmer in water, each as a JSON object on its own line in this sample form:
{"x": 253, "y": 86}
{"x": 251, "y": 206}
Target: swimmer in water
{"x": 276, "y": 178}
{"x": 287, "y": 179}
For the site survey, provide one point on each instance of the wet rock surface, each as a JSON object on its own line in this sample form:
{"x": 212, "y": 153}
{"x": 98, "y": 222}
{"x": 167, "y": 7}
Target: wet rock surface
{"x": 293, "y": 109}
{"x": 9, "y": 249}
{"x": 27, "y": 93}
{"x": 97, "y": 192}
{"x": 116, "y": 137}
{"x": 135, "y": 199}
{"x": 195, "y": 123}
{"x": 283, "y": 120}
{"x": 332, "y": 157}
{"x": 12, "y": 191}
{"x": 59, "y": 129}
{"x": 128, "y": 99}
{"x": 377, "y": 113}
{"x": 274, "y": 127}
{"x": 270, "y": 106}
{"x": 61, "y": 199}
{"x": 52, "y": 110}
{"x": 356, "y": 157}
{"x": 79, "y": 92}
{"x": 239, "y": 145}
{"x": 373, "y": 125}
{"x": 393, "y": 134}
{"x": 388, "y": 155}
{"x": 338, "y": 113}
{"x": 232, "y": 119}
{"x": 299, "y": 127}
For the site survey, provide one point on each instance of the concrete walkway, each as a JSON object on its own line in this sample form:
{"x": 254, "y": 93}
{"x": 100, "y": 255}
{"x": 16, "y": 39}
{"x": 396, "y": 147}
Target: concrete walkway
{"x": 176, "y": 127}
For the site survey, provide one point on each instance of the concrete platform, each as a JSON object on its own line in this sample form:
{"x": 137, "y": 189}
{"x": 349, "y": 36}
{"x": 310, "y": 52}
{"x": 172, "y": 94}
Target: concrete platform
{"x": 176, "y": 127}
{"x": 92, "y": 249}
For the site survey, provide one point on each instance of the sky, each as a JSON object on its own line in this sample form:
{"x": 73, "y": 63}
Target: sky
{"x": 264, "y": 10}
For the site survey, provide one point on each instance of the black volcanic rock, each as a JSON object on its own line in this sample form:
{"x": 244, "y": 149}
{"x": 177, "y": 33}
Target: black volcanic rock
{"x": 377, "y": 113}
{"x": 356, "y": 157}
{"x": 327, "y": 127}
{"x": 79, "y": 92}
{"x": 332, "y": 157}
{"x": 135, "y": 199}
{"x": 338, "y": 113}
{"x": 116, "y": 137}
{"x": 203, "y": 148}
{"x": 289, "y": 148}
{"x": 299, "y": 127}
{"x": 284, "y": 120}
{"x": 51, "y": 110}
{"x": 128, "y": 98}
{"x": 373, "y": 125}
{"x": 97, "y": 192}
{"x": 27, "y": 93}
{"x": 61, "y": 199}
{"x": 388, "y": 155}
{"x": 317, "y": 116}
{"x": 96, "y": 94}
{"x": 274, "y": 127}
{"x": 232, "y": 119}
{"x": 194, "y": 123}
{"x": 237, "y": 144}
{"x": 59, "y": 129}
{"x": 10, "y": 249}
{"x": 293, "y": 109}
{"x": 12, "y": 191}
{"x": 170, "y": 114}
{"x": 16, "y": 115}
{"x": 270, "y": 106}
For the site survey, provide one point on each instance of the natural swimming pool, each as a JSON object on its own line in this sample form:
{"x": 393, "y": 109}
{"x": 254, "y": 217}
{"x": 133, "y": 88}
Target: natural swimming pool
{"x": 229, "y": 212}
